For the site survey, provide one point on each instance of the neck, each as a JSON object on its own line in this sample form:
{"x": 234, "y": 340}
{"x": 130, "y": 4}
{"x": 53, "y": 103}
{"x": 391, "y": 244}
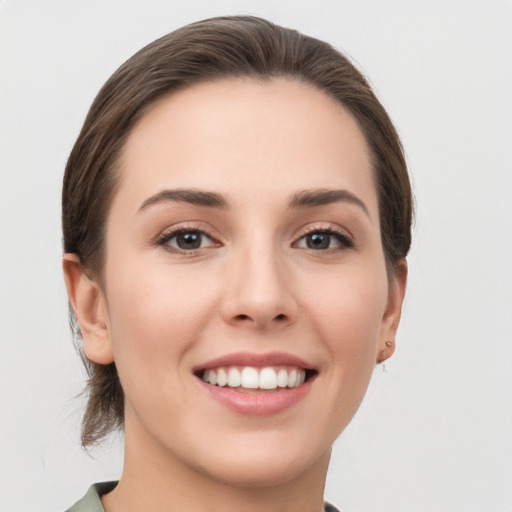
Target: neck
{"x": 155, "y": 480}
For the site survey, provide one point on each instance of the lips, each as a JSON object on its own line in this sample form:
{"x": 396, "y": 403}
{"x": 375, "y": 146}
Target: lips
{"x": 254, "y": 384}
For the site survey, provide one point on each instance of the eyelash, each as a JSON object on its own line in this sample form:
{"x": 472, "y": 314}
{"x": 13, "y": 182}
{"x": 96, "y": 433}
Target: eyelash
{"x": 164, "y": 239}
{"x": 345, "y": 241}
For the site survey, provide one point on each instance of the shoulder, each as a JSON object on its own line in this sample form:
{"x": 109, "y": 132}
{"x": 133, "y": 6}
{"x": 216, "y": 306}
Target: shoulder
{"x": 330, "y": 508}
{"x": 91, "y": 502}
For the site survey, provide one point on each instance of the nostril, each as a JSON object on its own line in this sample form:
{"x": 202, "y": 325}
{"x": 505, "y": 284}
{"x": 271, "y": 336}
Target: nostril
{"x": 281, "y": 317}
{"x": 242, "y": 317}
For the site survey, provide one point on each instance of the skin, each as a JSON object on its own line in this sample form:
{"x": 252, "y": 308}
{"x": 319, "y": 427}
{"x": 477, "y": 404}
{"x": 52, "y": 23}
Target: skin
{"x": 255, "y": 286}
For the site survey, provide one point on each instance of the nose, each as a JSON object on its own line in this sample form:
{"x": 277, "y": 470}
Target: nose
{"x": 259, "y": 291}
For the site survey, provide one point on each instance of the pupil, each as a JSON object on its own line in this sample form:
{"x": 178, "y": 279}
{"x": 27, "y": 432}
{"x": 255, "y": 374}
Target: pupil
{"x": 189, "y": 240}
{"x": 318, "y": 241}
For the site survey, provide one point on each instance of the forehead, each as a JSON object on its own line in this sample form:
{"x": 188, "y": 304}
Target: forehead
{"x": 242, "y": 135}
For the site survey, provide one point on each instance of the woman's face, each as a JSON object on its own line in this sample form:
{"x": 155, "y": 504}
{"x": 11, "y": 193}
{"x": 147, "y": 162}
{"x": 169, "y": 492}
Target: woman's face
{"x": 243, "y": 244}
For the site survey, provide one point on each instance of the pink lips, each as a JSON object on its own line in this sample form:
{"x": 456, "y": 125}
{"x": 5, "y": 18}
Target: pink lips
{"x": 256, "y": 402}
{"x": 259, "y": 360}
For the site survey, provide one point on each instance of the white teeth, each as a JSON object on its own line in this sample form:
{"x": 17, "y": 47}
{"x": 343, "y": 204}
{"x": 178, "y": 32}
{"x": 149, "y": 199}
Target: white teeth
{"x": 233, "y": 378}
{"x": 292, "y": 378}
{"x": 268, "y": 378}
{"x": 222, "y": 377}
{"x": 249, "y": 378}
{"x": 282, "y": 378}
{"x": 212, "y": 377}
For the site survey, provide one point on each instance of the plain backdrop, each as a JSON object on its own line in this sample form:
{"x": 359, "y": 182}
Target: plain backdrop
{"x": 435, "y": 431}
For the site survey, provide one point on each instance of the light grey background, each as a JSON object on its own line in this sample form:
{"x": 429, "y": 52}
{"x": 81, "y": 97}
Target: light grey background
{"x": 435, "y": 431}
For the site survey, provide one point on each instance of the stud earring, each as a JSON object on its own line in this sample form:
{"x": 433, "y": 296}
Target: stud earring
{"x": 388, "y": 343}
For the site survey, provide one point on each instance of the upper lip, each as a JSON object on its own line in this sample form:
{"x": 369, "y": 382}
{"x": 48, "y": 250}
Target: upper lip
{"x": 255, "y": 360}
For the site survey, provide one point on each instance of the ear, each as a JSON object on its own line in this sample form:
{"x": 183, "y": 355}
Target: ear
{"x": 392, "y": 313}
{"x": 88, "y": 303}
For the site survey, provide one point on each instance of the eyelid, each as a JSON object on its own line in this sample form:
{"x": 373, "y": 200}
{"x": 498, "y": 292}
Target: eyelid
{"x": 172, "y": 231}
{"x": 346, "y": 237}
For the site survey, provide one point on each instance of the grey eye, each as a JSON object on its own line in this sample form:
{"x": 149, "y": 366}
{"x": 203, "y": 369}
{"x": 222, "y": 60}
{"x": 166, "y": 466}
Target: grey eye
{"x": 318, "y": 241}
{"x": 323, "y": 240}
{"x": 189, "y": 240}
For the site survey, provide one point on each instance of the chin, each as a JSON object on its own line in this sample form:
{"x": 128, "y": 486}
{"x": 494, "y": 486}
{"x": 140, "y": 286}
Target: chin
{"x": 259, "y": 474}
{"x": 264, "y": 465}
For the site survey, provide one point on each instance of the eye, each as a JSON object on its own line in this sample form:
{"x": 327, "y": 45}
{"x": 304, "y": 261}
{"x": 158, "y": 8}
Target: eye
{"x": 324, "y": 239}
{"x": 186, "y": 240}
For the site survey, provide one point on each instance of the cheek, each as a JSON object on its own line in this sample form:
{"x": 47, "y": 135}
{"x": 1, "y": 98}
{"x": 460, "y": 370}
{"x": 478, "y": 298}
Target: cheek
{"x": 156, "y": 316}
{"x": 344, "y": 312}
{"x": 347, "y": 309}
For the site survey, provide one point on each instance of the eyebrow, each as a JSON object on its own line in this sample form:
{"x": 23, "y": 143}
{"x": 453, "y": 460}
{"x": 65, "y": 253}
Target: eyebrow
{"x": 321, "y": 197}
{"x": 187, "y": 195}
{"x": 302, "y": 199}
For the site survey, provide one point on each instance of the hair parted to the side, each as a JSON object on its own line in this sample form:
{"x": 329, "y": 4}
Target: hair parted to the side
{"x": 218, "y": 48}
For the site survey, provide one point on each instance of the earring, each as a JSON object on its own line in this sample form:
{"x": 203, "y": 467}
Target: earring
{"x": 388, "y": 344}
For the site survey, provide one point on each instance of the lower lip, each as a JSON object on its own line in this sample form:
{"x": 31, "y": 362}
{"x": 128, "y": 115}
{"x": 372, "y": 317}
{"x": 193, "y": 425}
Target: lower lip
{"x": 257, "y": 403}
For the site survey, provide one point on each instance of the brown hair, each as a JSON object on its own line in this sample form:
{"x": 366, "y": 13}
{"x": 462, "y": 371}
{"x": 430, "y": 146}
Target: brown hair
{"x": 217, "y": 48}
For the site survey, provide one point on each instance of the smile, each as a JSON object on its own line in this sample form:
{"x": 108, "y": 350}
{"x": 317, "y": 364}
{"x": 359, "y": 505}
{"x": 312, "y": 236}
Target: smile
{"x": 250, "y": 377}
{"x": 257, "y": 384}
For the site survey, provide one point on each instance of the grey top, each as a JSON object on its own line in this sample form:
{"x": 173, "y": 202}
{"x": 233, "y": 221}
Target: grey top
{"x": 91, "y": 502}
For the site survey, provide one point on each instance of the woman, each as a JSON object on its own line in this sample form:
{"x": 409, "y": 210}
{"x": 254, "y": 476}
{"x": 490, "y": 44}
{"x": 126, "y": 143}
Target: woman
{"x": 236, "y": 217}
